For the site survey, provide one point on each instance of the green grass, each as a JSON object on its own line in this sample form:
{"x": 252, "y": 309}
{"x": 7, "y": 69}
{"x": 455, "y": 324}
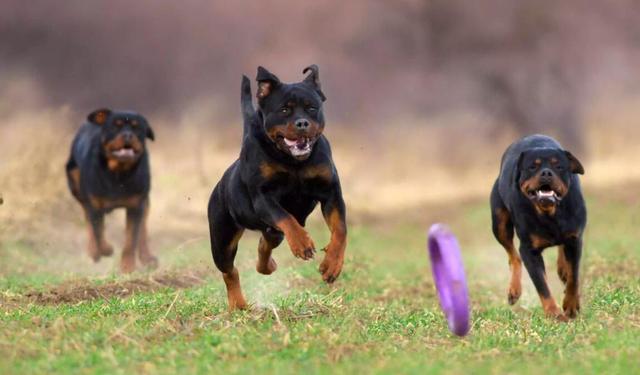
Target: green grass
{"x": 381, "y": 317}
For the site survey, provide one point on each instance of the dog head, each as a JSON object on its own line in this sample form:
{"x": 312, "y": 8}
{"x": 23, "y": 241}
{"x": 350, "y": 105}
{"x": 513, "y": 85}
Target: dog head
{"x": 123, "y": 137}
{"x": 544, "y": 175}
{"x": 291, "y": 113}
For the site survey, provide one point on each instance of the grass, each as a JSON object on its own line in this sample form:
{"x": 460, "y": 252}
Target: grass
{"x": 381, "y": 317}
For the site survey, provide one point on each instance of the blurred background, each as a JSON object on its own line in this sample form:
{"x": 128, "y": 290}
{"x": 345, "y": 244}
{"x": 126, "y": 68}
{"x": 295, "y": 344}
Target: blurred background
{"x": 423, "y": 98}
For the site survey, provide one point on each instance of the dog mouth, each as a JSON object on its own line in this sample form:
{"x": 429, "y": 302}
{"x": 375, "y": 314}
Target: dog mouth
{"x": 299, "y": 148}
{"x": 126, "y": 153}
{"x": 545, "y": 195}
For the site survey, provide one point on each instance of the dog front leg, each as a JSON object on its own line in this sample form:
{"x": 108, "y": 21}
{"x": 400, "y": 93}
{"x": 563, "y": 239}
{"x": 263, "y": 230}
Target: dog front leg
{"x": 132, "y": 235}
{"x": 273, "y": 214}
{"x": 98, "y": 245}
{"x": 334, "y": 212}
{"x": 568, "y": 267}
{"x": 95, "y": 224}
{"x": 144, "y": 254}
{"x": 534, "y": 263}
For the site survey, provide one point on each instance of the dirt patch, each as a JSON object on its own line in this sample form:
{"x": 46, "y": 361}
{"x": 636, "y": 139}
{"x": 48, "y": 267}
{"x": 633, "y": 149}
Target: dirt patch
{"x": 83, "y": 289}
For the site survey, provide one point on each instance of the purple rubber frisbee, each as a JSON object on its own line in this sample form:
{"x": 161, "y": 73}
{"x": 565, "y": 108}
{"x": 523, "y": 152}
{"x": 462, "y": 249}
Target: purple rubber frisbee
{"x": 449, "y": 277}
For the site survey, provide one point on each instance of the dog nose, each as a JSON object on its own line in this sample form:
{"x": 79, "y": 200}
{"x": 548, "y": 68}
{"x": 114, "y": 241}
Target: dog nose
{"x": 302, "y": 124}
{"x": 546, "y": 173}
{"x": 127, "y": 137}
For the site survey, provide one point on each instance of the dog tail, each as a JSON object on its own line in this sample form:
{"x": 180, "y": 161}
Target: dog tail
{"x": 246, "y": 104}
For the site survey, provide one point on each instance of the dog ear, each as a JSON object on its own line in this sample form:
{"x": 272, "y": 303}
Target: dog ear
{"x": 150, "y": 133}
{"x": 267, "y": 82}
{"x": 314, "y": 79}
{"x": 574, "y": 163}
{"x": 99, "y": 116}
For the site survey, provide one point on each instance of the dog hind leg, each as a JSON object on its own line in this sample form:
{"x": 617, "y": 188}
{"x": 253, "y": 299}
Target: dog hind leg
{"x": 225, "y": 235}
{"x": 270, "y": 239}
{"x": 503, "y": 231}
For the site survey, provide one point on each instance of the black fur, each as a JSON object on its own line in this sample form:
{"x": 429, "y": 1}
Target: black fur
{"x": 540, "y": 220}
{"x": 271, "y": 181}
{"x": 103, "y": 178}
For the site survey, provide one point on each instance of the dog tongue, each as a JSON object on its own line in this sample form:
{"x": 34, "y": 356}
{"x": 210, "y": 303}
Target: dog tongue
{"x": 124, "y": 152}
{"x": 300, "y": 142}
{"x": 290, "y": 142}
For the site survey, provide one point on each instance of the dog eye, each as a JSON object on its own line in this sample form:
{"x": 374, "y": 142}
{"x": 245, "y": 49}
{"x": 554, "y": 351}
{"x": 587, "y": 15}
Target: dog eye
{"x": 285, "y": 110}
{"x": 533, "y": 167}
{"x": 312, "y": 109}
{"x": 134, "y": 123}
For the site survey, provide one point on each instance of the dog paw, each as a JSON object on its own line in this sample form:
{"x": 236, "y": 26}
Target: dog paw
{"x": 302, "y": 246}
{"x": 93, "y": 252}
{"x": 514, "y": 293}
{"x": 106, "y": 250}
{"x": 149, "y": 261}
{"x": 268, "y": 267}
{"x": 331, "y": 267}
{"x": 127, "y": 264}
{"x": 237, "y": 303}
{"x": 513, "y": 296}
{"x": 556, "y": 314}
{"x": 561, "y": 318}
{"x": 571, "y": 307}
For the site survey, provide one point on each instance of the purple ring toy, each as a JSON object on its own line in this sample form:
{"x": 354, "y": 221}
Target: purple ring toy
{"x": 449, "y": 277}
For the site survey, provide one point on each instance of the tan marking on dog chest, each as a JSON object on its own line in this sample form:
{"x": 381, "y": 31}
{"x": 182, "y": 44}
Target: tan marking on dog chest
{"x": 540, "y": 242}
{"x": 268, "y": 170}
{"x": 323, "y": 172}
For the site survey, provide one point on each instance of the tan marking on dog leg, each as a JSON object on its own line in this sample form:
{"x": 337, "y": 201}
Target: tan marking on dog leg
{"x": 571, "y": 302}
{"x": 550, "y": 306}
{"x": 299, "y": 240}
{"x": 74, "y": 174}
{"x": 146, "y": 257}
{"x": 234, "y": 291}
{"x": 92, "y": 245}
{"x": 132, "y": 232}
{"x": 515, "y": 263}
{"x": 266, "y": 265}
{"x": 95, "y": 235}
{"x": 331, "y": 266}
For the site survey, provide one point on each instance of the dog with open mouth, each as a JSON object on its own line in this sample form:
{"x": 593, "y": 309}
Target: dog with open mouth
{"x": 538, "y": 195}
{"x": 284, "y": 170}
{"x": 109, "y": 168}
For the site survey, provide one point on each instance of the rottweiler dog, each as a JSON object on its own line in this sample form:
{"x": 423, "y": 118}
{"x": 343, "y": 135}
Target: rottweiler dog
{"x": 109, "y": 168}
{"x": 538, "y": 193}
{"x": 284, "y": 169}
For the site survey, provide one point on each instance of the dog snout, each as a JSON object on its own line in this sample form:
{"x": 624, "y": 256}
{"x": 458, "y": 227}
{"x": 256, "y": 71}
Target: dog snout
{"x": 302, "y": 124}
{"x": 546, "y": 174}
{"x": 127, "y": 137}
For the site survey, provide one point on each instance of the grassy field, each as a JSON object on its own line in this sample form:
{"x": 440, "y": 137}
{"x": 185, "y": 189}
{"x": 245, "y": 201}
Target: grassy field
{"x": 61, "y": 313}
{"x": 382, "y": 316}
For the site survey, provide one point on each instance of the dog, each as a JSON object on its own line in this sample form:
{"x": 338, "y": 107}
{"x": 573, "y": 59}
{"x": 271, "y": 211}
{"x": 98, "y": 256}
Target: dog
{"x": 109, "y": 168}
{"x": 284, "y": 170}
{"x": 538, "y": 194}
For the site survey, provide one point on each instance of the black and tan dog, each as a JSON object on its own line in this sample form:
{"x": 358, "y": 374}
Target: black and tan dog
{"x": 109, "y": 168}
{"x": 284, "y": 169}
{"x": 538, "y": 193}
